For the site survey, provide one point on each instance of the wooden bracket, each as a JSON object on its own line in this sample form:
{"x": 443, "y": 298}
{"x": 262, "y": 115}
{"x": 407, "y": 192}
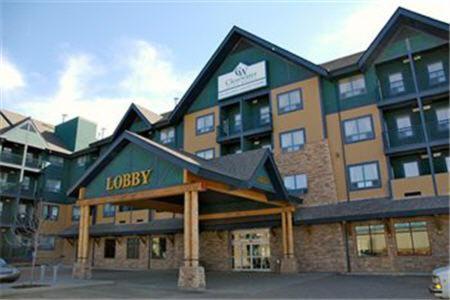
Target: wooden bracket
{"x": 97, "y": 241}
{"x": 437, "y": 223}
{"x": 387, "y": 226}
{"x": 143, "y": 239}
{"x": 171, "y": 238}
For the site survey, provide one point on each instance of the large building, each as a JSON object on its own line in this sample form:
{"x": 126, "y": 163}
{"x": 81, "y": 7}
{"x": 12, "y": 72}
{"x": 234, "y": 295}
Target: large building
{"x": 268, "y": 163}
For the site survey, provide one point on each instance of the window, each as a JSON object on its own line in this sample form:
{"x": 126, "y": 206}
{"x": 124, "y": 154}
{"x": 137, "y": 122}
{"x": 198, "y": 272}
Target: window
{"x": 75, "y": 213}
{"x": 404, "y": 126}
{"x": 447, "y": 163}
{"x": 110, "y": 248}
{"x": 352, "y": 86}
{"x": 50, "y": 212}
{"x": 158, "y": 248}
{"x": 290, "y": 101}
{"x": 22, "y": 211}
{"x": 82, "y": 161}
{"x": 53, "y": 185}
{"x": 56, "y": 161}
{"x": 358, "y": 129}
{"x": 168, "y": 135}
{"x": 264, "y": 115}
{"x": 132, "y": 248}
{"x": 1, "y": 207}
{"x": 412, "y": 238}
{"x": 123, "y": 208}
{"x": 28, "y": 127}
{"x": 46, "y": 242}
{"x": 298, "y": 183}
{"x": 206, "y": 154}
{"x": 293, "y": 140}
{"x": 364, "y": 176}
{"x": 109, "y": 210}
{"x": 443, "y": 118}
{"x": 396, "y": 83}
{"x": 411, "y": 169}
{"x": 26, "y": 183}
{"x": 370, "y": 240}
{"x": 237, "y": 126}
{"x": 436, "y": 73}
{"x": 205, "y": 124}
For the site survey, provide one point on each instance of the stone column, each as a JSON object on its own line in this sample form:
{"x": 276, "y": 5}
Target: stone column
{"x": 289, "y": 262}
{"x": 191, "y": 276}
{"x": 82, "y": 267}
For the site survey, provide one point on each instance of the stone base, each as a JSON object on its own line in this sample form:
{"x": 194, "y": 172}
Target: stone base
{"x": 289, "y": 265}
{"x": 81, "y": 271}
{"x": 191, "y": 278}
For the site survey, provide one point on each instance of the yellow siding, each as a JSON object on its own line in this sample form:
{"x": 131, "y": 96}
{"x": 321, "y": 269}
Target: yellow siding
{"x": 194, "y": 142}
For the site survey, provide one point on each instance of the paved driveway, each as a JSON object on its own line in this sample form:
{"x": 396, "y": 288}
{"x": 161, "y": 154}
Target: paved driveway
{"x": 163, "y": 284}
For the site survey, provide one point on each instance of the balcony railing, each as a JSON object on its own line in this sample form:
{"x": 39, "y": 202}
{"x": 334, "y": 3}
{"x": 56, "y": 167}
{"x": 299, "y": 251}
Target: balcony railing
{"x": 252, "y": 124}
{"x": 401, "y": 138}
{"x": 404, "y": 90}
{"x": 11, "y": 158}
{"x": 34, "y": 163}
{"x": 12, "y": 188}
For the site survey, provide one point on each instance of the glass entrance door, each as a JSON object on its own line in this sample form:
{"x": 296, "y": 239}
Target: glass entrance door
{"x": 251, "y": 250}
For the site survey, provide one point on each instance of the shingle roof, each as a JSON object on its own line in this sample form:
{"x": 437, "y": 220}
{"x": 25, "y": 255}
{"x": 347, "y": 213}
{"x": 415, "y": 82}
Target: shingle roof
{"x": 342, "y": 62}
{"x": 46, "y": 130}
{"x": 372, "y": 208}
{"x": 151, "y": 116}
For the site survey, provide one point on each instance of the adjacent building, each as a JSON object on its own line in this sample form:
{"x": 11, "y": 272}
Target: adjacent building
{"x": 358, "y": 146}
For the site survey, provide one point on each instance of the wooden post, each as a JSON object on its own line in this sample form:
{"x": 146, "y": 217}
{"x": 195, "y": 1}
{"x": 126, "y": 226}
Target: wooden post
{"x": 194, "y": 229}
{"x": 283, "y": 234}
{"x": 187, "y": 228}
{"x": 81, "y": 267}
{"x": 290, "y": 234}
{"x": 81, "y": 231}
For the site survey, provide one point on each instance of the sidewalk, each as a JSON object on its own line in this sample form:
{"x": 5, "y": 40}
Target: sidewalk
{"x": 64, "y": 281}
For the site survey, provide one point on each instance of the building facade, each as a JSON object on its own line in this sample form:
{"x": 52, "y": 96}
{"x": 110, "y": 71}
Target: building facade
{"x": 360, "y": 143}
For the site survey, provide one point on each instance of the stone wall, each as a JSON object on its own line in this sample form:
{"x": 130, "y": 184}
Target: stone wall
{"x": 215, "y": 250}
{"x": 313, "y": 160}
{"x": 320, "y": 248}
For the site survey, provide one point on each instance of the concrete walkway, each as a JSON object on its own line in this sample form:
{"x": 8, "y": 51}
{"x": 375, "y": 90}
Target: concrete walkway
{"x": 163, "y": 284}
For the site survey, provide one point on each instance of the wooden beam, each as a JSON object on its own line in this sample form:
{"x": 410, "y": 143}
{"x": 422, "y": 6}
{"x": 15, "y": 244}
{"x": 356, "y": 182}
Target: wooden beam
{"x": 81, "y": 195}
{"x": 187, "y": 227}
{"x": 154, "y": 204}
{"x": 245, "y": 213}
{"x": 144, "y": 195}
{"x": 194, "y": 230}
{"x": 290, "y": 234}
{"x": 284, "y": 234}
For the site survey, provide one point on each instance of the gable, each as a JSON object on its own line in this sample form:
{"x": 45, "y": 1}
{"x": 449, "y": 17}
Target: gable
{"x": 419, "y": 40}
{"x": 262, "y": 180}
{"x": 25, "y": 133}
{"x": 280, "y": 71}
{"x": 133, "y": 120}
{"x": 133, "y": 158}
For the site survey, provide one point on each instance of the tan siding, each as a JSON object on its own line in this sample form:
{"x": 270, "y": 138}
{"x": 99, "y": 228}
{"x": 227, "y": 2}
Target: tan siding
{"x": 194, "y": 142}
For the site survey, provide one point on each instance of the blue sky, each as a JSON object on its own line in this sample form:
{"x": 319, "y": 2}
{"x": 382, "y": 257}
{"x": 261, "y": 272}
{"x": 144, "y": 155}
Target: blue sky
{"x": 93, "y": 59}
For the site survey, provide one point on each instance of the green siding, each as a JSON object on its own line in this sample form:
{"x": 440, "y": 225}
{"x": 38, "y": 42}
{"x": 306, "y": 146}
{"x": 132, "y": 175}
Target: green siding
{"x": 397, "y": 165}
{"x": 23, "y": 136}
{"x": 419, "y": 41}
{"x": 280, "y": 72}
{"x": 261, "y": 174}
{"x": 77, "y": 133}
{"x": 134, "y": 158}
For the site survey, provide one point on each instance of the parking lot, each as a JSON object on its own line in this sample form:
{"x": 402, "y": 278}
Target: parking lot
{"x": 163, "y": 284}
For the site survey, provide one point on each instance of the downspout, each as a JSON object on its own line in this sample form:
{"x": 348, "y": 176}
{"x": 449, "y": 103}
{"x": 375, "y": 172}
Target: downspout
{"x": 422, "y": 115}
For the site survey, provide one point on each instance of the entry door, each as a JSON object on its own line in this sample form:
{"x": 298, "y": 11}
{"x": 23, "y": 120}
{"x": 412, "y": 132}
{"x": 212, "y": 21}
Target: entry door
{"x": 251, "y": 250}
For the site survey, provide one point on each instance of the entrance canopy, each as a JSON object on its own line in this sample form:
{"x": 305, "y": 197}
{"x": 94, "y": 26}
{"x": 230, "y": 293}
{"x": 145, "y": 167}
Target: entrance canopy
{"x": 135, "y": 168}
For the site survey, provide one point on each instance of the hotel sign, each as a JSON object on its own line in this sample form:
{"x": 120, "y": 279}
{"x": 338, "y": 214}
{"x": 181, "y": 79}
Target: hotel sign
{"x": 128, "y": 180}
{"x": 242, "y": 79}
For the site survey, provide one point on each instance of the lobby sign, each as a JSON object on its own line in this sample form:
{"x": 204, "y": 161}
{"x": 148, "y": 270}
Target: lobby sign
{"x": 128, "y": 180}
{"x": 242, "y": 79}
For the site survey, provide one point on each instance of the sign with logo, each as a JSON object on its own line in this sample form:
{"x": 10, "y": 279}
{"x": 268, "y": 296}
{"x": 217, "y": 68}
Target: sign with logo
{"x": 242, "y": 79}
{"x": 128, "y": 180}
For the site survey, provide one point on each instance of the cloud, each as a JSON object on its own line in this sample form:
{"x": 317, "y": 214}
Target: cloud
{"x": 89, "y": 89}
{"x": 355, "y": 32}
{"x": 10, "y": 77}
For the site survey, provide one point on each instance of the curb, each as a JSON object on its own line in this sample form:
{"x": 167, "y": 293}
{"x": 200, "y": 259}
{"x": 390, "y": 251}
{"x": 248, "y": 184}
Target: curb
{"x": 11, "y": 292}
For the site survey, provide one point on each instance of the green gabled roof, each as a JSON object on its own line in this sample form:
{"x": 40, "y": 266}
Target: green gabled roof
{"x": 237, "y": 170}
{"x": 17, "y": 134}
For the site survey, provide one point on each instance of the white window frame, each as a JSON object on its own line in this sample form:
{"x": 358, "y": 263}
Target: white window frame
{"x": 290, "y": 101}
{"x": 206, "y": 154}
{"x": 296, "y": 182}
{"x": 411, "y": 169}
{"x": 204, "y": 124}
{"x": 167, "y": 135}
{"x": 359, "y": 135}
{"x": 404, "y": 126}
{"x": 351, "y": 86}
{"x": 365, "y": 181}
{"x": 436, "y": 73}
{"x": 290, "y": 137}
{"x": 396, "y": 83}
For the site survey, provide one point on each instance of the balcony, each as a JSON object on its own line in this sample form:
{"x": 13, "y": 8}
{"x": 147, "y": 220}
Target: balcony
{"x": 402, "y": 91}
{"x": 12, "y": 189}
{"x": 411, "y": 138}
{"x": 31, "y": 163}
{"x": 253, "y": 126}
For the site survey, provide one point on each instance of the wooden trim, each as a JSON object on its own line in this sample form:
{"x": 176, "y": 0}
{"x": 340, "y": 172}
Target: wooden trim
{"x": 154, "y": 204}
{"x": 144, "y": 195}
{"x": 194, "y": 230}
{"x": 187, "y": 226}
{"x": 290, "y": 234}
{"x": 245, "y": 213}
{"x": 283, "y": 234}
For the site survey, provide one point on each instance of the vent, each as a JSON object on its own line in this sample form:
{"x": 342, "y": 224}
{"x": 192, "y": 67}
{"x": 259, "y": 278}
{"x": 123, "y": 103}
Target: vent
{"x": 413, "y": 194}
